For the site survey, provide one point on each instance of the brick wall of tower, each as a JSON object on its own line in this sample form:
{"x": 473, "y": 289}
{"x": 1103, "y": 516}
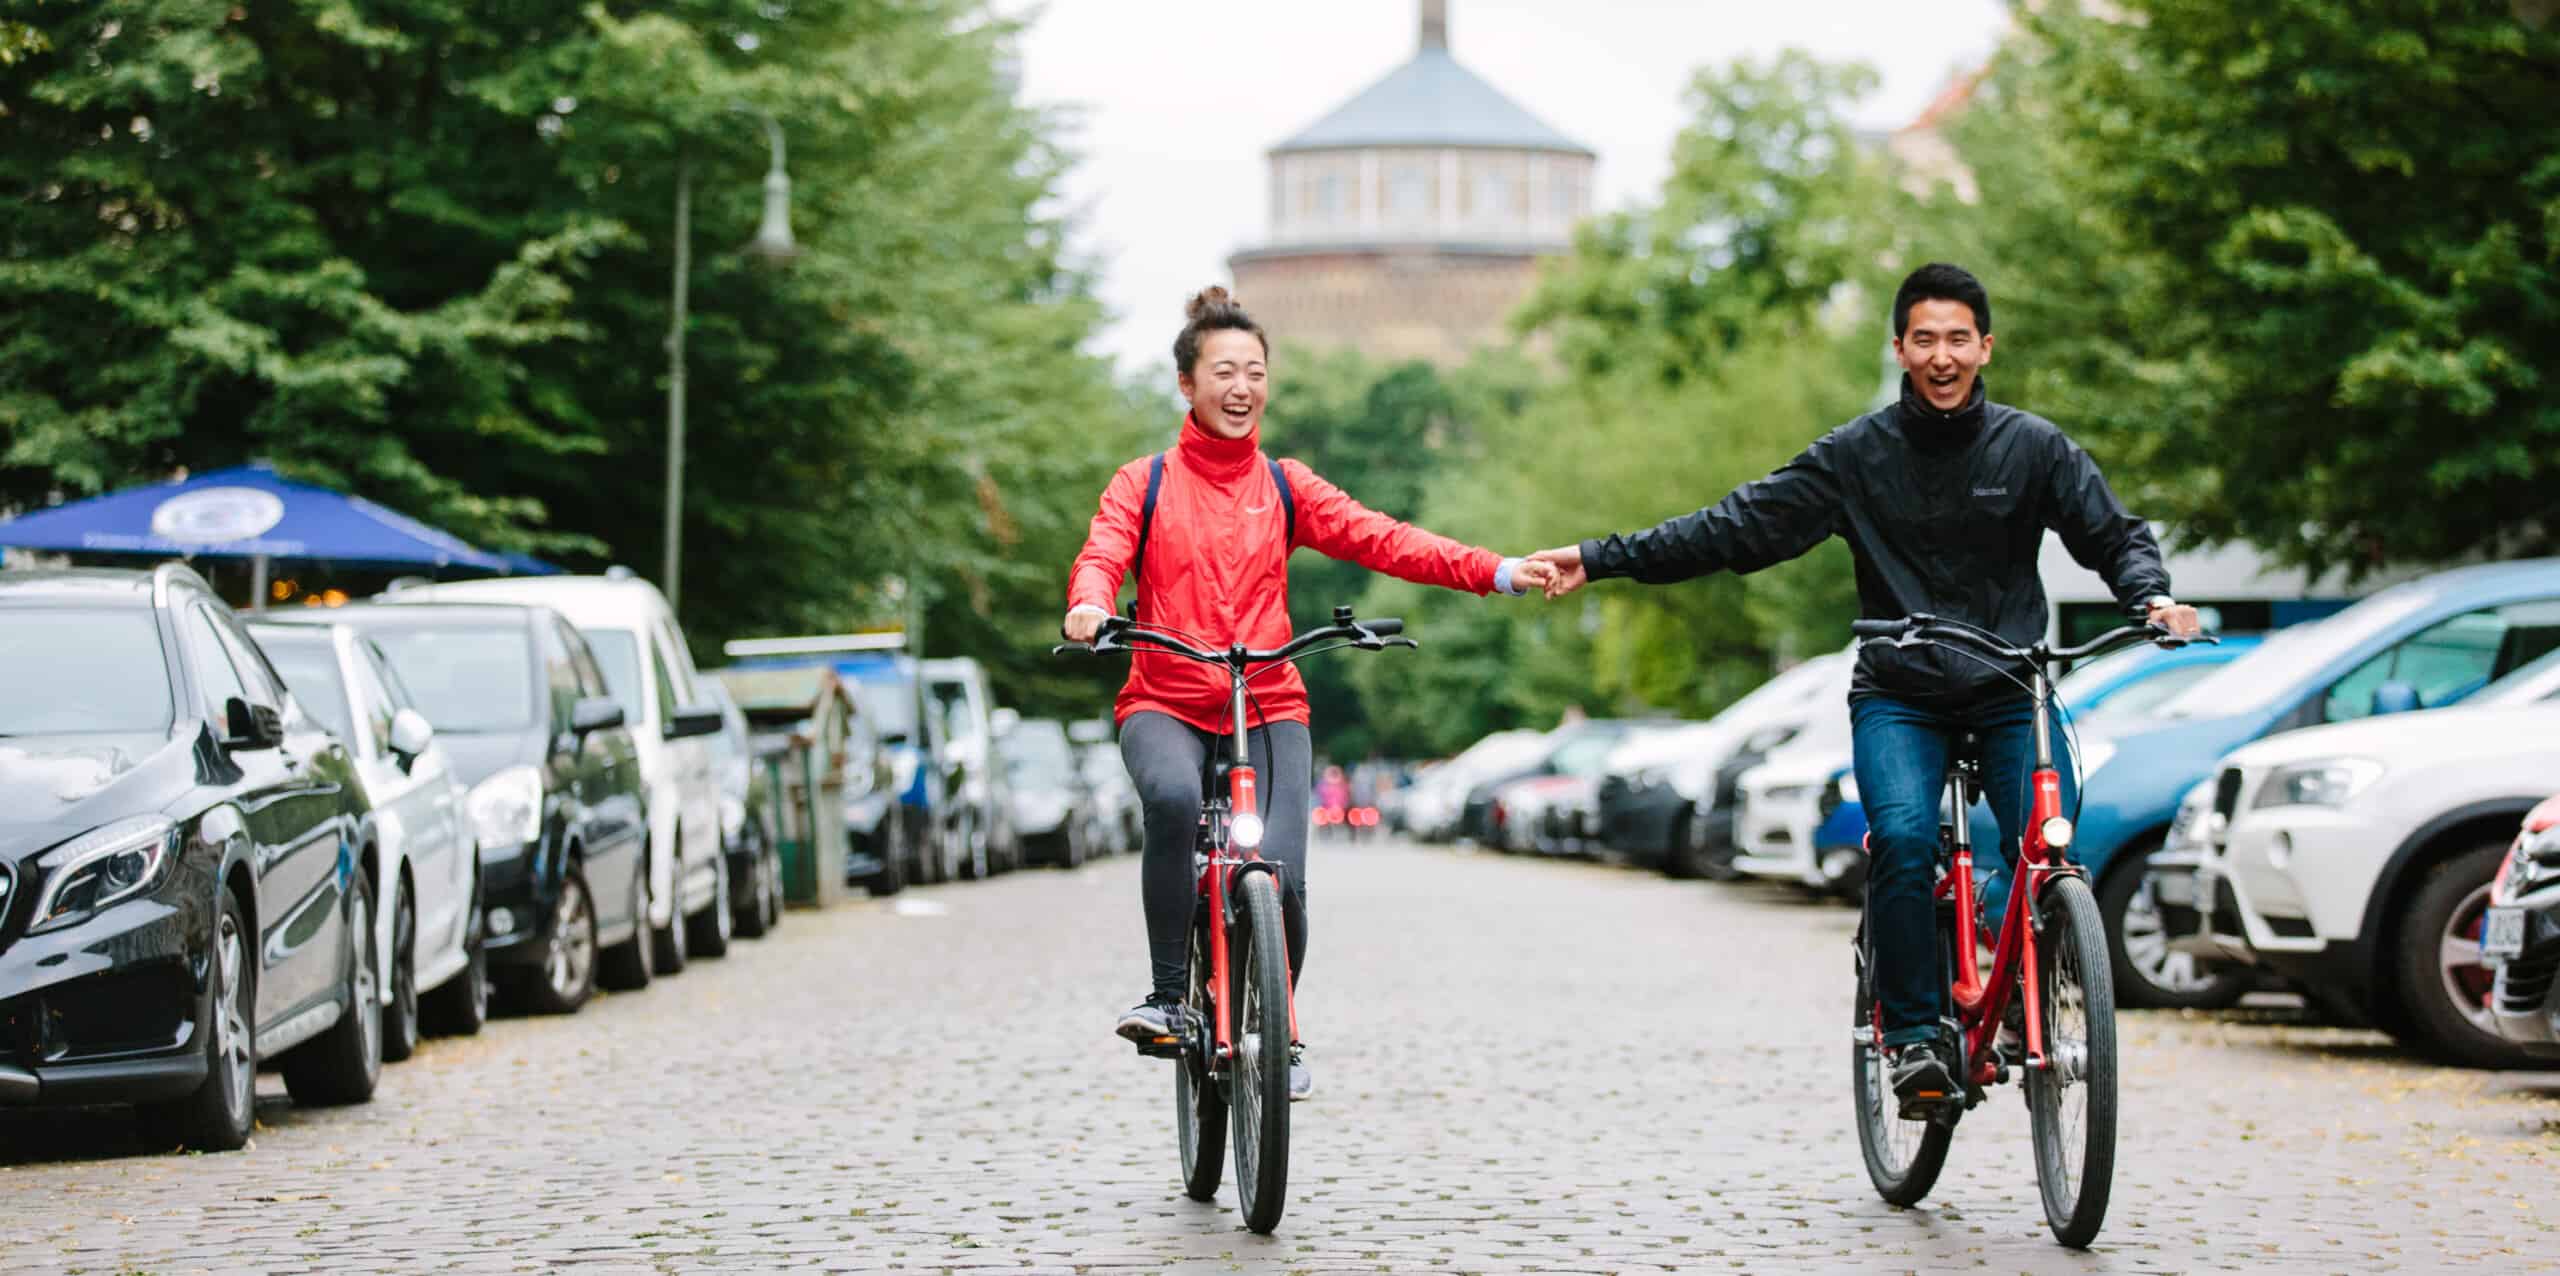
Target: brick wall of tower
{"x": 1392, "y": 304}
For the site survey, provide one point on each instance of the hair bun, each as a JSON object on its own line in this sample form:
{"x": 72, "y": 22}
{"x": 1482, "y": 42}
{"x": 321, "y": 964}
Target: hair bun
{"x": 1207, "y": 301}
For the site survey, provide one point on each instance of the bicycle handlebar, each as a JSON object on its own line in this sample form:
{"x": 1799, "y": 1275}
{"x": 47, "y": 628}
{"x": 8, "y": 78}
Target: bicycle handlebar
{"x": 1927, "y": 628}
{"x": 1119, "y": 633}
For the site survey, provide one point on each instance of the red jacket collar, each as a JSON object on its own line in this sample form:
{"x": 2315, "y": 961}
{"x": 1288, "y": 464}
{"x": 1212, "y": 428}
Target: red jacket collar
{"x": 1214, "y": 457}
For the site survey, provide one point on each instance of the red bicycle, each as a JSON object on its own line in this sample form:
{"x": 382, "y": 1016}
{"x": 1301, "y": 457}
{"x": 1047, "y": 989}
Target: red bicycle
{"x": 1232, "y": 1059}
{"x": 2050, "y": 941}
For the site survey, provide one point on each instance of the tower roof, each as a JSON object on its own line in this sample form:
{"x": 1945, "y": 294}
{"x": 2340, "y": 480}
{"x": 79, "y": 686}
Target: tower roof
{"x": 1431, "y": 101}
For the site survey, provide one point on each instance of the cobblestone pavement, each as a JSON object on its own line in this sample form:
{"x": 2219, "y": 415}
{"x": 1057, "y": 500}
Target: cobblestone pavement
{"x": 1522, "y": 1066}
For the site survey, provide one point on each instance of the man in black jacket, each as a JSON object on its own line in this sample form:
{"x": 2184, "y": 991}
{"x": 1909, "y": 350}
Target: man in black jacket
{"x": 1944, "y": 498}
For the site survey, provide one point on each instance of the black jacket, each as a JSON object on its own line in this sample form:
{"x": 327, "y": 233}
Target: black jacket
{"x": 1944, "y": 513}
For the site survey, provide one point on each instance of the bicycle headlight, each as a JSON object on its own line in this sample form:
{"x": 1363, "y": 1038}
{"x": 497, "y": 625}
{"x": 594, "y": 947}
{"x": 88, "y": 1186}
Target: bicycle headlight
{"x": 506, "y": 808}
{"x": 2057, "y": 833}
{"x": 104, "y": 866}
{"x": 2329, "y": 782}
{"x": 1246, "y": 831}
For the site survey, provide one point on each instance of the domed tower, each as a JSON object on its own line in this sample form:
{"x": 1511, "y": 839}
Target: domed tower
{"x": 1409, "y": 222}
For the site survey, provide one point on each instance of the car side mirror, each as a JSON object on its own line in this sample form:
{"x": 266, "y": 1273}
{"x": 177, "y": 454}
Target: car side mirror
{"x": 251, "y": 726}
{"x": 411, "y": 733}
{"x": 694, "y": 720}
{"x": 2394, "y": 697}
{"x": 595, "y": 713}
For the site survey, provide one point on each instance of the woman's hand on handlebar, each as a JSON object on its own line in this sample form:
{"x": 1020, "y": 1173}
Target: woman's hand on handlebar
{"x": 1083, "y": 623}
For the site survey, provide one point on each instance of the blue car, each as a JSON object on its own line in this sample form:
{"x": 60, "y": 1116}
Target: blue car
{"x": 890, "y": 689}
{"x": 2419, "y": 645}
{"x": 2122, "y": 685}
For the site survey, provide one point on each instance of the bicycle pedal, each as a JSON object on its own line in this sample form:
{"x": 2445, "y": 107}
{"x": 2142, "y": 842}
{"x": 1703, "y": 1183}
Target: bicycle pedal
{"x": 1160, "y": 1047}
{"x": 1922, "y": 1105}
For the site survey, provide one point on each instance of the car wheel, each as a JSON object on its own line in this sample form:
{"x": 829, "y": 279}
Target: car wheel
{"x": 973, "y": 849}
{"x": 217, "y": 1117}
{"x": 892, "y": 877}
{"x": 345, "y": 1062}
{"x": 627, "y": 966}
{"x": 400, "y": 1018}
{"x": 710, "y": 929}
{"x": 2148, "y": 973}
{"x": 773, "y": 900}
{"x": 461, "y": 1005}
{"x": 672, "y": 946}
{"x": 2443, "y": 983}
{"x": 566, "y": 976}
{"x": 755, "y": 920}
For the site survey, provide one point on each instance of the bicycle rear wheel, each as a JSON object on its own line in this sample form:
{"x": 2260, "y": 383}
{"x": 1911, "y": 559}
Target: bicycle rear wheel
{"x": 1199, "y": 1106}
{"x": 2071, "y": 1101}
{"x": 1258, "y": 1084}
{"x": 1903, "y": 1157}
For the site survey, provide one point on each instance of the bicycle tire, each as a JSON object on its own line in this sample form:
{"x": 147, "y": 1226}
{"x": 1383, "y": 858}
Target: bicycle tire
{"x": 1903, "y": 1158}
{"x": 1199, "y": 1106}
{"x": 1258, "y": 1083}
{"x": 2077, "y": 997}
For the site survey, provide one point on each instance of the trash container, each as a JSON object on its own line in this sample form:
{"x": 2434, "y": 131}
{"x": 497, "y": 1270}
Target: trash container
{"x": 802, "y": 717}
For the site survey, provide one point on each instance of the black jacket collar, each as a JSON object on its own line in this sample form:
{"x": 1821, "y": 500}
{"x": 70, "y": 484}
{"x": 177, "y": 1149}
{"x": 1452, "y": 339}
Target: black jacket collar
{"x": 1933, "y": 430}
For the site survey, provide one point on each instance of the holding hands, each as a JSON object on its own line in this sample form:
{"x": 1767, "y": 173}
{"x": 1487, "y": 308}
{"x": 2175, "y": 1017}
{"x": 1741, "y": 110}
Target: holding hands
{"x": 1564, "y": 572}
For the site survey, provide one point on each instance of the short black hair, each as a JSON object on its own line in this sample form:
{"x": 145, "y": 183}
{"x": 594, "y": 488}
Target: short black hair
{"x": 1939, "y": 281}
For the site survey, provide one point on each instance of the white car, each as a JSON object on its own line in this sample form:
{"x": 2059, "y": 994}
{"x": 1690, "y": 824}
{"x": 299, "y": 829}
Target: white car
{"x": 1686, "y": 760}
{"x": 2356, "y": 857}
{"x": 427, "y": 935}
{"x": 1431, "y": 813}
{"x": 646, "y": 667}
{"x": 1779, "y": 802}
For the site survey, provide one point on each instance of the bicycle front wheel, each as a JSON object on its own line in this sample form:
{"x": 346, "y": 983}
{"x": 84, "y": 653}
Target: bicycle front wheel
{"x": 2071, "y": 1101}
{"x": 1199, "y": 1107}
{"x": 1258, "y": 1084}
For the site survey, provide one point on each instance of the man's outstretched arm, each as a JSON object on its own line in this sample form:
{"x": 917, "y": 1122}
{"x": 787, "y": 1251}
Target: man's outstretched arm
{"x": 1759, "y": 524}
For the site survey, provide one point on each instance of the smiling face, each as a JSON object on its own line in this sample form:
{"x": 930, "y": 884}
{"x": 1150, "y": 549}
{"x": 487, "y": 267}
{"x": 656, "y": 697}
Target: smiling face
{"x": 1943, "y": 353}
{"x": 1228, "y": 384}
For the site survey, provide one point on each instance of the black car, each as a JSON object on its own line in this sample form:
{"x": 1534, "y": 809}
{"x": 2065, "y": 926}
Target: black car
{"x": 185, "y": 884}
{"x": 520, "y": 705}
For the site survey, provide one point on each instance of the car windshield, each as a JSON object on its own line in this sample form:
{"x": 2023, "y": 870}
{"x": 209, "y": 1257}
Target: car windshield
{"x": 309, "y": 664}
{"x": 1587, "y": 753}
{"x": 67, "y": 670}
{"x": 2146, "y": 696}
{"x": 1038, "y": 752}
{"x": 891, "y": 706}
{"x": 2279, "y": 664}
{"x": 475, "y": 678}
{"x": 618, "y": 653}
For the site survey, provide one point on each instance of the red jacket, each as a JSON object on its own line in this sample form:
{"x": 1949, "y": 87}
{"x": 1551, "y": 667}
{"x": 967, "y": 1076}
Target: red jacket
{"x": 1216, "y": 567}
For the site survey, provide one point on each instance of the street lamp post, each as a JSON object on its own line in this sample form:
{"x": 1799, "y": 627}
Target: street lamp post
{"x": 774, "y": 244}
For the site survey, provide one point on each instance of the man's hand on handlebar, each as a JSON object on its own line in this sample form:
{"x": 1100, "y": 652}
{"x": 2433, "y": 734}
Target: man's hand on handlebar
{"x": 2180, "y": 620}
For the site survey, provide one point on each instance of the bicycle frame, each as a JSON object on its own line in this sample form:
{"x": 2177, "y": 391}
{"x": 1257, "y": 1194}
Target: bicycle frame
{"x": 1983, "y": 999}
{"x": 1223, "y": 863}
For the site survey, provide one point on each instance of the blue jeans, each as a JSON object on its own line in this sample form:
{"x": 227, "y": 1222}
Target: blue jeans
{"x": 1902, "y": 755}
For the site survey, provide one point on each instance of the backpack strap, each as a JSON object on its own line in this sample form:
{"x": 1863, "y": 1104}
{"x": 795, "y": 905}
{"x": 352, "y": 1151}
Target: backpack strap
{"x": 1146, "y": 524}
{"x": 1288, "y": 505}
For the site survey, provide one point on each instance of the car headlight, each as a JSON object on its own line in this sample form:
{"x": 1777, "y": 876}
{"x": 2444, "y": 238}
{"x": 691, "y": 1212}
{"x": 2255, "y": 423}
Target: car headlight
{"x": 2327, "y": 782}
{"x": 1247, "y": 831}
{"x": 902, "y": 770}
{"x": 1846, "y": 786}
{"x": 2543, "y": 847}
{"x": 1786, "y": 793}
{"x": 506, "y": 808}
{"x": 103, "y": 866}
{"x": 2186, "y": 829}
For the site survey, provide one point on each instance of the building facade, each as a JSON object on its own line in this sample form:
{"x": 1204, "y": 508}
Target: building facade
{"x": 1409, "y": 222}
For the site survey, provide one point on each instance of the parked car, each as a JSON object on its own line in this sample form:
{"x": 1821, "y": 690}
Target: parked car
{"x": 889, "y": 690}
{"x": 2422, "y": 644}
{"x": 197, "y": 871}
{"x": 427, "y": 936}
{"x": 1120, "y": 815}
{"x": 2520, "y": 937}
{"x": 634, "y": 636}
{"x": 1778, "y": 803}
{"x": 2357, "y": 858}
{"x": 1663, "y": 795}
{"x": 746, "y": 820}
{"x": 521, "y": 705}
{"x": 1575, "y": 748}
{"x": 1054, "y": 811}
{"x": 874, "y": 819}
{"x": 2131, "y": 682}
{"x": 1432, "y": 812}
{"x": 983, "y": 807}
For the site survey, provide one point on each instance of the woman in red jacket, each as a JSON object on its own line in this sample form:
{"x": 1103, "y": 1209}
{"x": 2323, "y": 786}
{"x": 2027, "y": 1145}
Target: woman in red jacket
{"x": 1217, "y": 567}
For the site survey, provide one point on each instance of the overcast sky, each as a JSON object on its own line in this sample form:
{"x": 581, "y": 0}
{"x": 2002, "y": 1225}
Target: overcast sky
{"x": 1178, "y": 99}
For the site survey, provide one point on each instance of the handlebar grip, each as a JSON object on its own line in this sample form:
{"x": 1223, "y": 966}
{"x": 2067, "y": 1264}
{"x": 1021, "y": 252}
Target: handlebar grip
{"x": 1383, "y": 628}
{"x": 1065, "y": 647}
{"x": 1878, "y": 628}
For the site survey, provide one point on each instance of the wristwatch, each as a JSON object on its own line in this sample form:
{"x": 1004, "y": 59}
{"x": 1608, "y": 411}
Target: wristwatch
{"x": 2156, "y": 602}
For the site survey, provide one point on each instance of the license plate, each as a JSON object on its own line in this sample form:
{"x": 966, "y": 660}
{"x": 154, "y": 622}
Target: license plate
{"x": 2504, "y": 935}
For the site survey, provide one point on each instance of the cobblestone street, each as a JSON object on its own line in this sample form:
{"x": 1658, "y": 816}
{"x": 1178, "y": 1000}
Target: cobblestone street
{"x": 1521, "y": 1066}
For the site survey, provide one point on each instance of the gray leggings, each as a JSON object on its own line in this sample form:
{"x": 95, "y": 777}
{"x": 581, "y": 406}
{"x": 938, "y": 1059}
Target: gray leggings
{"x": 1165, "y": 757}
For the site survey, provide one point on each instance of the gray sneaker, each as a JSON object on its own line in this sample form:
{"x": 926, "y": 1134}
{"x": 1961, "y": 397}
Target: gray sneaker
{"x": 1150, "y": 1021}
{"x": 1301, "y": 1081}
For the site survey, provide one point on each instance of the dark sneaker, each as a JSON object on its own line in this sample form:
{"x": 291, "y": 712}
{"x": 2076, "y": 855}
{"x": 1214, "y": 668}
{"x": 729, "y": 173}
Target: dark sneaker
{"x": 1921, "y": 1080}
{"x": 1150, "y": 1022}
{"x": 1302, "y": 1082}
{"x": 2012, "y": 1041}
